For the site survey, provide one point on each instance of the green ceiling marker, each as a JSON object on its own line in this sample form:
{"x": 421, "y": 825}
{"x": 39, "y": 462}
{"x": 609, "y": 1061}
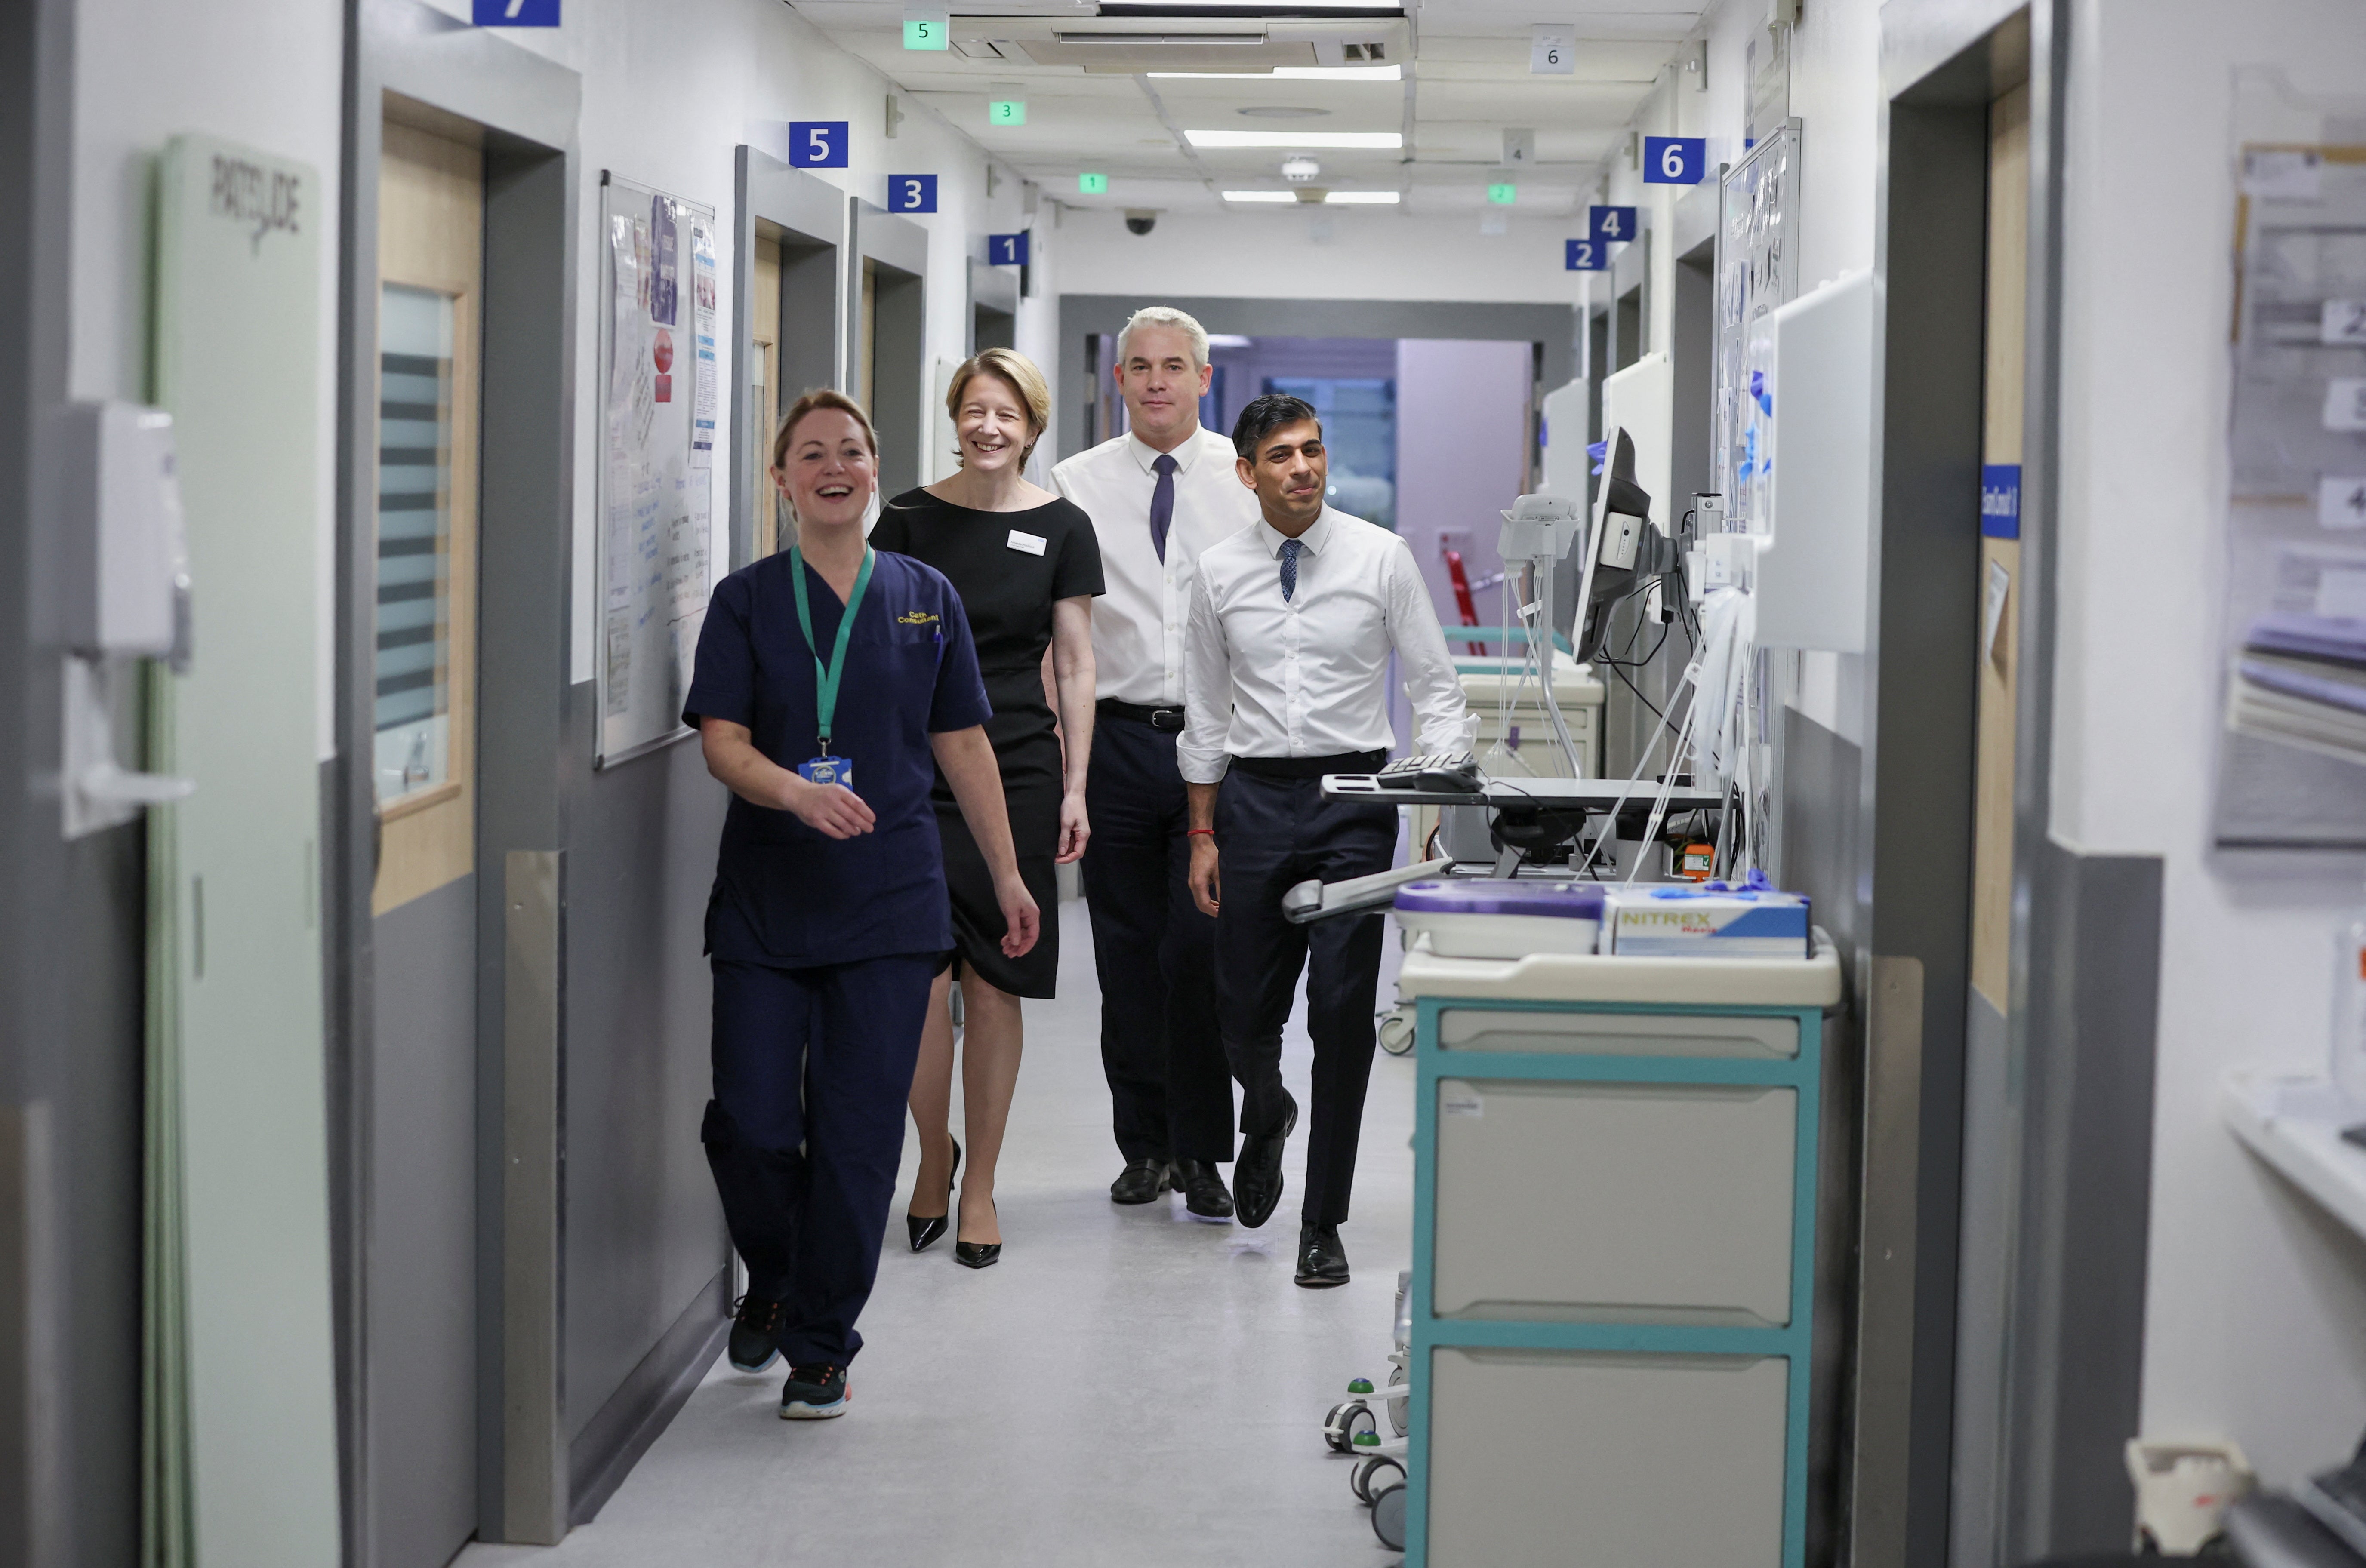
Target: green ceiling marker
{"x": 1092, "y": 184}
{"x": 1007, "y": 111}
{"x": 1502, "y": 193}
{"x": 927, "y": 33}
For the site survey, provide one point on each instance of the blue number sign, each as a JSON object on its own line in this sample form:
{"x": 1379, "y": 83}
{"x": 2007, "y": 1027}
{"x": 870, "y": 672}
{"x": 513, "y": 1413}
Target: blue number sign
{"x": 1608, "y": 223}
{"x": 2000, "y": 500}
{"x": 911, "y": 193}
{"x": 1674, "y": 160}
{"x": 1006, "y": 250}
{"x": 1585, "y": 256}
{"x": 818, "y": 143}
{"x": 516, "y": 13}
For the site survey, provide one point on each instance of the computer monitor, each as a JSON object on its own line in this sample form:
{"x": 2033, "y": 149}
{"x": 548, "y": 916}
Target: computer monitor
{"x": 1621, "y": 546}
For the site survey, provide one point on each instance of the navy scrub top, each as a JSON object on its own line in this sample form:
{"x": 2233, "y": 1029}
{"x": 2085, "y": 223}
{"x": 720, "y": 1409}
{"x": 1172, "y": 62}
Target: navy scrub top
{"x": 786, "y": 894}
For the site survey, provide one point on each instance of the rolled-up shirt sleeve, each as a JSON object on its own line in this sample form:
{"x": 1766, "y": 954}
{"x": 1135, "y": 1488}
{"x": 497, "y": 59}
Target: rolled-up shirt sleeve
{"x": 1200, "y": 753}
{"x": 1435, "y": 690}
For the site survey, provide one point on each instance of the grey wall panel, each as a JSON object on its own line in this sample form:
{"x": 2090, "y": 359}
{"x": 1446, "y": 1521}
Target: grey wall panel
{"x": 644, "y": 1230}
{"x": 1082, "y": 315}
{"x": 645, "y": 1403}
{"x": 1991, "y": 1126}
{"x": 422, "y": 1229}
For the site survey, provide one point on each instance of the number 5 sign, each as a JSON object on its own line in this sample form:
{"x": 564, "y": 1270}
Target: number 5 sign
{"x": 1674, "y": 160}
{"x": 818, "y": 143}
{"x": 911, "y": 193}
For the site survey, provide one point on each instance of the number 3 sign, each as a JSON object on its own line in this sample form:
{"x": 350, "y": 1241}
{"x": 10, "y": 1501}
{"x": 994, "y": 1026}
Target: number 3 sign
{"x": 911, "y": 193}
{"x": 818, "y": 143}
{"x": 1674, "y": 160}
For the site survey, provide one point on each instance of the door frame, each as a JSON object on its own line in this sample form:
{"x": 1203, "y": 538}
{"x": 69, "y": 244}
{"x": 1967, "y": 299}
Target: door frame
{"x": 811, "y": 217}
{"x": 524, "y": 109}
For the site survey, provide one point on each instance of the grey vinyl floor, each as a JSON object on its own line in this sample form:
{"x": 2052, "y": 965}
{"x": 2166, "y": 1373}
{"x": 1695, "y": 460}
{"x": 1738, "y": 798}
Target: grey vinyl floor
{"x": 1129, "y": 1388}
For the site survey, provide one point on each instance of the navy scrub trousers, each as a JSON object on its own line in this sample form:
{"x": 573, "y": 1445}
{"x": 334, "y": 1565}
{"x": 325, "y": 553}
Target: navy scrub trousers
{"x": 1170, "y": 1085}
{"x": 1275, "y": 830}
{"x": 823, "y": 950}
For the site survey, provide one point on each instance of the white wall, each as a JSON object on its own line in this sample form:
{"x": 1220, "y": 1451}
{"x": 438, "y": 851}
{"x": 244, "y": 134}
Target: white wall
{"x": 2256, "y": 1321}
{"x": 1462, "y": 446}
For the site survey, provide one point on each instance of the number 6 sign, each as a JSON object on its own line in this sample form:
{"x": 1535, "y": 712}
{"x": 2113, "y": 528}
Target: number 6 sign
{"x": 911, "y": 193}
{"x": 818, "y": 143}
{"x": 1674, "y": 160}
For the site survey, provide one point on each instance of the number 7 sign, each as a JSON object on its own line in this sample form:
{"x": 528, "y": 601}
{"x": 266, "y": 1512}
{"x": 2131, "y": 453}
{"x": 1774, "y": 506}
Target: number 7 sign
{"x": 818, "y": 143}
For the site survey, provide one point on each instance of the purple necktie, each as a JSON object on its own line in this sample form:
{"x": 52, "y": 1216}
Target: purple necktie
{"x": 1162, "y": 504}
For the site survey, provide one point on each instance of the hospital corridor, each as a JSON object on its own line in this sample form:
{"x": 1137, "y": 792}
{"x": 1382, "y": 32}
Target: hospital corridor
{"x": 1182, "y": 783}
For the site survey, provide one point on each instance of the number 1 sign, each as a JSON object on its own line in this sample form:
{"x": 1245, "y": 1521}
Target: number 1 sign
{"x": 1006, "y": 250}
{"x": 818, "y": 143}
{"x": 911, "y": 193}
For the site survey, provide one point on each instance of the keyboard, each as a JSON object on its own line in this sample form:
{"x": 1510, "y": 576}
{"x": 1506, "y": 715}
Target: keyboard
{"x": 1455, "y": 773}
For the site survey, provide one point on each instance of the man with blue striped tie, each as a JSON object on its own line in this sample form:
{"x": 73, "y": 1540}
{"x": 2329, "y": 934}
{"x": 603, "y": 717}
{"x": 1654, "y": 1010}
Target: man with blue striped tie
{"x": 1285, "y": 679}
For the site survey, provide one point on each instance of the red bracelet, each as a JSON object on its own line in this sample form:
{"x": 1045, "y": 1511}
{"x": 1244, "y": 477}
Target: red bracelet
{"x": 1209, "y": 831}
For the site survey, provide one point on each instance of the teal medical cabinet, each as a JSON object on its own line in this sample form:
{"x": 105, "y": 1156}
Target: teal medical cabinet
{"x": 1614, "y": 1259}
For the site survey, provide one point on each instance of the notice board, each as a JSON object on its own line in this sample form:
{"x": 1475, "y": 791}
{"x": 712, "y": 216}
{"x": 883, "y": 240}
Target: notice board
{"x": 659, "y": 388}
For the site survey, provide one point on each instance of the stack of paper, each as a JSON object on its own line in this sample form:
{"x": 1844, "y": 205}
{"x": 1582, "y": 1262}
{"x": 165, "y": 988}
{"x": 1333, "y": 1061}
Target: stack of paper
{"x": 2301, "y": 679}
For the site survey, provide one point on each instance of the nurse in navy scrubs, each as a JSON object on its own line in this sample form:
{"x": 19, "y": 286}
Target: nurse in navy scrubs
{"x": 833, "y": 683}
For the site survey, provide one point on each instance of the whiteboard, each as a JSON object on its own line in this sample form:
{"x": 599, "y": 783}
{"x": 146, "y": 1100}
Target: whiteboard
{"x": 659, "y": 393}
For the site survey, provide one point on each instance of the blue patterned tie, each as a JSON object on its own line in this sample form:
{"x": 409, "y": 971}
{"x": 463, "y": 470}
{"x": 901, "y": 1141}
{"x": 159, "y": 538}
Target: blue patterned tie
{"x": 1290, "y": 551}
{"x": 1162, "y": 503}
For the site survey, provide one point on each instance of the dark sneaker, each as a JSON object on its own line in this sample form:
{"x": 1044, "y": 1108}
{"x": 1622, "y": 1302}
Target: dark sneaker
{"x": 1203, "y": 1190}
{"x": 814, "y": 1393}
{"x": 1141, "y": 1181}
{"x": 1322, "y": 1262}
{"x": 754, "y": 1322}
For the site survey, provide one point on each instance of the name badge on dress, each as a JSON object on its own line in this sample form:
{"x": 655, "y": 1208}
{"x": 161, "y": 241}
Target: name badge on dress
{"x": 1031, "y": 543}
{"x": 828, "y": 771}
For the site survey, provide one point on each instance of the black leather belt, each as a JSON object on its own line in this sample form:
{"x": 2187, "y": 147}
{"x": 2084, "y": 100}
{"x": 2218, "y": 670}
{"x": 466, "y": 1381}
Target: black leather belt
{"x": 1311, "y": 767}
{"x": 1167, "y": 721}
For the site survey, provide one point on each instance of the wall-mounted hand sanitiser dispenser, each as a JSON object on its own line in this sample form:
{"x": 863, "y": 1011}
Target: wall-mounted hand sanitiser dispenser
{"x": 124, "y": 582}
{"x": 1812, "y": 570}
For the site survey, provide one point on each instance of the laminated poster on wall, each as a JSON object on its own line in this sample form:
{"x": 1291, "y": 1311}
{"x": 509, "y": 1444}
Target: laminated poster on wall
{"x": 659, "y": 388}
{"x": 1757, "y": 269}
{"x": 2291, "y": 759}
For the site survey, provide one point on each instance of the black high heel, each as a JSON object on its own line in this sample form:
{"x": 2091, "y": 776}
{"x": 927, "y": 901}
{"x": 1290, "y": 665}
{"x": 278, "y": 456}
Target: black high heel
{"x": 979, "y": 1254}
{"x": 925, "y": 1231}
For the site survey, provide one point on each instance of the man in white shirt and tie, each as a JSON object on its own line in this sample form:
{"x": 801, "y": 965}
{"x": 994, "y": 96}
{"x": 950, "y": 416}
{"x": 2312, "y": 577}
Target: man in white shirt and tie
{"x": 1285, "y": 680}
{"x": 1158, "y": 496}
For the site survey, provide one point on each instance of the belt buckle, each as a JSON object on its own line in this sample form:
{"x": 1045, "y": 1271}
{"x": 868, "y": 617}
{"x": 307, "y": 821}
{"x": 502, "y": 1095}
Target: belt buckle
{"x": 1167, "y": 721}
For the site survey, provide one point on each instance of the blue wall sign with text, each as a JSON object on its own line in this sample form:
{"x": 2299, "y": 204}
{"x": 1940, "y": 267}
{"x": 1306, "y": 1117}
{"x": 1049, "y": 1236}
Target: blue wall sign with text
{"x": 911, "y": 193}
{"x": 517, "y": 13}
{"x": 1006, "y": 250}
{"x": 818, "y": 143}
{"x": 1585, "y": 256}
{"x": 1608, "y": 223}
{"x": 1674, "y": 160}
{"x": 2000, "y": 500}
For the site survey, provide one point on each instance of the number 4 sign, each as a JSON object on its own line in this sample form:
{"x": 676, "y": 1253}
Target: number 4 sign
{"x": 818, "y": 143}
{"x": 1607, "y": 224}
{"x": 1674, "y": 160}
{"x": 2341, "y": 502}
{"x": 911, "y": 193}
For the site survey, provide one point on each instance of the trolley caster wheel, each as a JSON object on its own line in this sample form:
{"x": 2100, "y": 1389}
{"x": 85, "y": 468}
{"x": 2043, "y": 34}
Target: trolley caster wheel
{"x": 1389, "y": 1515}
{"x": 1396, "y": 1032}
{"x": 1379, "y": 1470}
{"x": 1400, "y": 1404}
{"x": 1345, "y": 1422}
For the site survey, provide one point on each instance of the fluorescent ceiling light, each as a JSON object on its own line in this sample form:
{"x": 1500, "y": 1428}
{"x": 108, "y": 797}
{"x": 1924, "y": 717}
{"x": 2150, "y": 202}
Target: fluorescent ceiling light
{"x": 1363, "y": 198}
{"x": 1290, "y": 74}
{"x": 1282, "y": 8}
{"x": 1378, "y": 140}
{"x": 1261, "y": 196}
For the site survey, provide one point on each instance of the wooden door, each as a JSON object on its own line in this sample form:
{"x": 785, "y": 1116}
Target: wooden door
{"x": 764, "y": 370}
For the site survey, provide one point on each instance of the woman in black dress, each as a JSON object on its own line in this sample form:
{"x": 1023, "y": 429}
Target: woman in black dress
{"x": 1027, "y": 565}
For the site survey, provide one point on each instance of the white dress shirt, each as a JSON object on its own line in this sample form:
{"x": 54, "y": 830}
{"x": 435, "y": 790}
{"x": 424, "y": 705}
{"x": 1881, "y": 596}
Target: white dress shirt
{"x": 1138, "y": 631}
{"x": 1308, "y": 676}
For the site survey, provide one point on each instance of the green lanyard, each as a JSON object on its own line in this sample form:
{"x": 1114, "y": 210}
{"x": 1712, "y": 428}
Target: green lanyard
{"x": 826, "y": 675}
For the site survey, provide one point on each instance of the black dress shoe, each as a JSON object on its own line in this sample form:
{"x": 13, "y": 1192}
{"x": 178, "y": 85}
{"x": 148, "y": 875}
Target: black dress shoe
{"x": 1202, "y": 1189}
{"x": 754, "y": 1322}
{"x": 926, "y": 1228}
{"x": 1256, "y": 1175}
{"x": 1322, "y": 1262}
{"x": 978, "y": 1254}
{"x": 1140, "y": 1181}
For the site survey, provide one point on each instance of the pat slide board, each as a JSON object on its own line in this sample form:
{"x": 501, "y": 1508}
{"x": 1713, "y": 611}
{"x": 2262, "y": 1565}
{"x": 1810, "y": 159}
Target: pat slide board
{"x": 659, "y": 383}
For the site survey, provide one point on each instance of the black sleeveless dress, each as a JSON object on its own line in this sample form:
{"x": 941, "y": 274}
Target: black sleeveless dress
{"x": 1009, "y": 567}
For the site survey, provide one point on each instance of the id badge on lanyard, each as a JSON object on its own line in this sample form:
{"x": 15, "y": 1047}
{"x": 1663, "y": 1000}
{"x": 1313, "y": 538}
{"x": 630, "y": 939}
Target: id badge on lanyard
{"x": 827, "y": 768}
